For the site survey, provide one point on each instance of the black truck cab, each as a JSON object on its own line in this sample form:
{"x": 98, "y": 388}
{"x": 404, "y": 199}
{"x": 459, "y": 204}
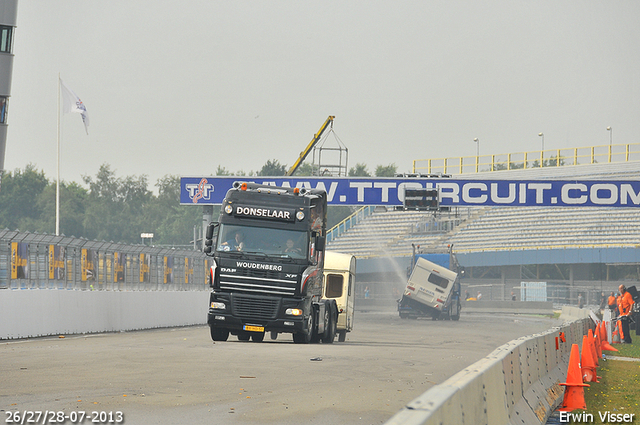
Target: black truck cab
{"x": 268, "y": 252}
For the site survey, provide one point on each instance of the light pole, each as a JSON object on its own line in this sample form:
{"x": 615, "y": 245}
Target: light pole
{"x": 477, "y": 153}
{"x": 610, "y": 130}
{"x": 542, "y": 151}
{"x": 542, "y": 135}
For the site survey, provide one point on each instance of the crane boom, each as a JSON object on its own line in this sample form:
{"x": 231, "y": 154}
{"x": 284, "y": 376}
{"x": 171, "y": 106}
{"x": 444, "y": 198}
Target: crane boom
{"x": 310, "y": 146}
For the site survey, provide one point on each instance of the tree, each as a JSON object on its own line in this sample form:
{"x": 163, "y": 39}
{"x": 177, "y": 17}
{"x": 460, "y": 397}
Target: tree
{"x": 73, "y": 201}
{"x": 117, "y": 206}
{"x": 172, "y": 223}
{"x": 222, "y": 171}
{"x": 273, "y": 168}
{"x": 18, "y": 195}
{"x": 360, "y": 170}
{"x": 305, "y": 169}
{"x": 388, "y": 171}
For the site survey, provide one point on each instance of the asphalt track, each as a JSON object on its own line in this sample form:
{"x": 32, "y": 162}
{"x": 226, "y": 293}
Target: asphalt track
{"x": 178, "y": 375}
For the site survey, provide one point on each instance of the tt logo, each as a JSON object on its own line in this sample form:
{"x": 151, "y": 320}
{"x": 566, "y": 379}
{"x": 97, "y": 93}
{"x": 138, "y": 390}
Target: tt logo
{"x": 199, "y": 191}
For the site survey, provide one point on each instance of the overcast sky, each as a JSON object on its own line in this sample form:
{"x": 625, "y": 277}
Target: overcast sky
{"x": 183, "y": 87}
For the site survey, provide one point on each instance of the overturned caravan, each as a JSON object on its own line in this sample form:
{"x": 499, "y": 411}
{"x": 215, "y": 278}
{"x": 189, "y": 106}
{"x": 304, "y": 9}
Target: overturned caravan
{"x": 431, "y": 291}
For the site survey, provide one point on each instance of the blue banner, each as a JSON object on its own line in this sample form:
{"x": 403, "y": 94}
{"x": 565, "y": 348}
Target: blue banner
{"x": 452, "y": 192}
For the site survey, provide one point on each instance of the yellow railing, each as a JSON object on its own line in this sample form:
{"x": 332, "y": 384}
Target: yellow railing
{"x": 526, "y": 160}
{"x": 548, "y": 247}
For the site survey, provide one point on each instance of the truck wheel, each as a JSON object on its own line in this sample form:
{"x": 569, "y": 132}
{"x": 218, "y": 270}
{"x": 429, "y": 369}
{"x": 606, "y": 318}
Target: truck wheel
{"x": 243, "y": 336}
{"x": 304, "y": 337}
{"x": 331, "y": 327}
{"x": 342, "y": 336}
{"x": 257, "y": 336}
{"x": 219, "y": 334}
{"x": 274, "y": 335}
{"x": 457, "y": 315}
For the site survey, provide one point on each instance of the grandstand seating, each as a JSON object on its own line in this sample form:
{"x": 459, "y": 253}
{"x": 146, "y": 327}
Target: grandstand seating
{"x": 392, "y": 233}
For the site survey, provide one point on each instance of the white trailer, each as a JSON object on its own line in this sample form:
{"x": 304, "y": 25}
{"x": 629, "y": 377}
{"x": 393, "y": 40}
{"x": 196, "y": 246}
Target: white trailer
{"x": 339, "y": 284}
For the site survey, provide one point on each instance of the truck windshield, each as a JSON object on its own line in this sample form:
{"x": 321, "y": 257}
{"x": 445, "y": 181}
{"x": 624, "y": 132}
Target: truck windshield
{"x": 262, "y": 240}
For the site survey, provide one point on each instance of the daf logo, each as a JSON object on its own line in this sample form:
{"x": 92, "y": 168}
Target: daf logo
{"x": 227, "y": 270}
{"x": 291, "y": 276}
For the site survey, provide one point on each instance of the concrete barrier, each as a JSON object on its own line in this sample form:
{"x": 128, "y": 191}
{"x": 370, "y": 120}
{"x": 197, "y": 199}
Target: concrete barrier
{"x": 518, "y": 383}
{"x": 41, "y": 312}
{"x": 570, "y": 313}
{"x": 509, "y": 307}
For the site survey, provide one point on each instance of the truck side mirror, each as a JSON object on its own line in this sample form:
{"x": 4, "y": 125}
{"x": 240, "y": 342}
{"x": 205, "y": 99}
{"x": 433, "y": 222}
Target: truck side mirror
{"x": 320, "y": 243}
{"x": 210, "y": 230}
{"x": 207, "y": 249}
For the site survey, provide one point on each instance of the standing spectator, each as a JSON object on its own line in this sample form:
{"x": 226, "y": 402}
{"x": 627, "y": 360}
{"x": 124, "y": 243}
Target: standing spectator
{"x": 603, "y": 301}
{"x": 625, "y": 304}
{"x": 513, "y": 296}
{"x": 580, "y": 302}
{"x": 613, "y": 304}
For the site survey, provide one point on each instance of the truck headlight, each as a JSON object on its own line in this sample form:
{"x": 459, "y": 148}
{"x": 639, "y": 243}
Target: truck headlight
{"x": 293, "y": 312}
{"x": 218, "y": 305}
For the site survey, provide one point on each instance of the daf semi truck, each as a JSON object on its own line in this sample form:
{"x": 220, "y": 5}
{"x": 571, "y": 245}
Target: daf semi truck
{"x": 268, "y": 249}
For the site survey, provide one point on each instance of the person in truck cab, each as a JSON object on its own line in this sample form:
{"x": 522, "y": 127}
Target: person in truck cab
{"x": 235, "y": 244}
{"x": 292, "y": 248}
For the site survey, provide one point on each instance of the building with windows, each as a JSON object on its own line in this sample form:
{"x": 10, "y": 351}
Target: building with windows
{"x": 8, "y": 15}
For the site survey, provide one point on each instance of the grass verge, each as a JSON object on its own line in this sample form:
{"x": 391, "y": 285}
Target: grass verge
{"x": 618, "y": 391}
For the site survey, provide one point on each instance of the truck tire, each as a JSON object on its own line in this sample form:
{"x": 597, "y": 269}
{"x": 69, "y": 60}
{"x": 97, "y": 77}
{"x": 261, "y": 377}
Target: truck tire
{"x": 331, "y": 327}
{"x": 219, "y": 334}
{"x": 257, "y": 336}
{"x": 274, "y": 335}
{"x": 304, "y": 337}
{"x": 342, "y": 336}
{"x": 456, "y": 316}
{"x": 243, "y": 336}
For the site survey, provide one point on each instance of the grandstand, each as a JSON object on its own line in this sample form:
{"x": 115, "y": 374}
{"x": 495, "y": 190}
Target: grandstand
{"x": 388, "y": 232}
{"x": 571, "y": 250}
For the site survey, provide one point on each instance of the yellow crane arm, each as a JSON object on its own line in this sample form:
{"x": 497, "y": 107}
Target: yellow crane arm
{"x": 304, "y": 153}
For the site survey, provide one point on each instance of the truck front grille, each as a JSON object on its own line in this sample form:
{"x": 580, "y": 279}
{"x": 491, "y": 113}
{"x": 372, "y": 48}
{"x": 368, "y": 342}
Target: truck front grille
{"x": 255, "y": 308}
{"x": 258, "y": 282}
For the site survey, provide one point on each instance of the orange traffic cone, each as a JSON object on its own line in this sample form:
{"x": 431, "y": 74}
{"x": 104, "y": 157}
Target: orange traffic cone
{"x": 588, "y": 365}
{"x": 604, "y": 344}
{"x": 598, "y": 346}
{"x": 594, "y": 348}
{"x": 574, "y": 391}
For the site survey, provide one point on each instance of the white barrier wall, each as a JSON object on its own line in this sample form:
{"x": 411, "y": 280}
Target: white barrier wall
{"x": 41, "y": 312}
{"x": 518, "y": 383}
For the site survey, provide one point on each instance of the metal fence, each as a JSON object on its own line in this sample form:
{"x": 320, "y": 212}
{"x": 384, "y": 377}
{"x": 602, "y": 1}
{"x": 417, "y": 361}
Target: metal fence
{"x": 41, "y": 261}
{"x": 533, "y": 159}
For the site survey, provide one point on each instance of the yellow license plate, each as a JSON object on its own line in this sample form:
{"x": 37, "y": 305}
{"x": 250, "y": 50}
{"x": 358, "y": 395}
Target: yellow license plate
{"x": 253, "y": 328}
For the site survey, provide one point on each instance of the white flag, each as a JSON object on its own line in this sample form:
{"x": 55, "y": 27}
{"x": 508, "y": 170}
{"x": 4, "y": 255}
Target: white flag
{"x": 72, "y": 103}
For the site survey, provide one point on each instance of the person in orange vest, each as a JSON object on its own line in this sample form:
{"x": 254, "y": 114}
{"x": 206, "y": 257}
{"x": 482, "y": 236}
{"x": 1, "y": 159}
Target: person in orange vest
{"x": 625, "y": 304}
{"x": 613, "y": 304}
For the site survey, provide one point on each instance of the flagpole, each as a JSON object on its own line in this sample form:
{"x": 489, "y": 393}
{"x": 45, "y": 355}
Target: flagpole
{"x": 58, "y": 167}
